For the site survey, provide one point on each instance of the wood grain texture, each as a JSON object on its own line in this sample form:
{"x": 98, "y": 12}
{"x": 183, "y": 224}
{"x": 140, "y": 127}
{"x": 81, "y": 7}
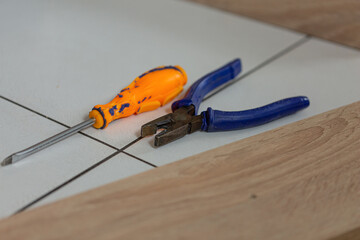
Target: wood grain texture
{"x": 334, "y": 20}
{"x": 300, "y": 181}
{"x": 350, "y": 235}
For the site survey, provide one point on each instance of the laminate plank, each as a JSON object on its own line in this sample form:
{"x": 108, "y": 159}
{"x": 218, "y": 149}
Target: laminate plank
{"x": 334, "y": 20}
{"x": 299, "y": 181}
{"x": 353, "y": 234}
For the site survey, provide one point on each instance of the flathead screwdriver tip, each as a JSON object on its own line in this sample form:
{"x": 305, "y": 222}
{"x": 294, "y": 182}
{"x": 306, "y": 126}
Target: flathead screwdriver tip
{"x": 7, "y": 161}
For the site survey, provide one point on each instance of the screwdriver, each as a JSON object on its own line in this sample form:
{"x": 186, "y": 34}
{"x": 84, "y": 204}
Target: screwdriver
{"x": 147, "y": 92}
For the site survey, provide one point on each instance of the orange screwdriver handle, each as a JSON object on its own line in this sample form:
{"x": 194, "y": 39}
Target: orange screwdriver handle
{"x": 147, "y": 92}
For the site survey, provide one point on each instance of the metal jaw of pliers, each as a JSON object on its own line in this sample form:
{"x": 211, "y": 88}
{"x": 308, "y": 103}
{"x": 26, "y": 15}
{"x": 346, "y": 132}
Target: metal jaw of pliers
{"x": 176, "y": 125}
{"x": 184, "y": 119}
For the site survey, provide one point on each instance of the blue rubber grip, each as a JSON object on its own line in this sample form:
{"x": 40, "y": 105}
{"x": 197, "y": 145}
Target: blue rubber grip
{"x": 208, "y": 83}
{"x": 215, "y": 121}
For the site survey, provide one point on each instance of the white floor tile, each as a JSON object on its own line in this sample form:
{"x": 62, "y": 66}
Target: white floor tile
{"x": 116, "y": 168}
{"x": 61, "y": 58}
{"x": 327, "y": 73}
{"x": 26, "y": 180}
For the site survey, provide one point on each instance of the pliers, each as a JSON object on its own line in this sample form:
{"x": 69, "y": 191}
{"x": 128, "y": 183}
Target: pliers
{"x": 184, "y": 119}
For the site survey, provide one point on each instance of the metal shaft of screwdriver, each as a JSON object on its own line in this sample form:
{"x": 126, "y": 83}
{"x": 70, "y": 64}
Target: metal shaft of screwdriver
{"x": 47, "y": 142}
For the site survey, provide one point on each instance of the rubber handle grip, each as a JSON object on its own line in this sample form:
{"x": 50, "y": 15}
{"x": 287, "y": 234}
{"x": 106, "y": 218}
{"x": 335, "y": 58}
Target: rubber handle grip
{"x": 147, "y": 92}
{"x": 208, "y": 83}
{"x": 215, "y": 121}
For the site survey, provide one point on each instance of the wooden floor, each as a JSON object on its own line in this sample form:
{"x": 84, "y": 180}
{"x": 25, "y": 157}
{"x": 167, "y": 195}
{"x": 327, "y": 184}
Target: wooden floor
{"x": 334, "y": 20}
{"x": 300, "y": 181}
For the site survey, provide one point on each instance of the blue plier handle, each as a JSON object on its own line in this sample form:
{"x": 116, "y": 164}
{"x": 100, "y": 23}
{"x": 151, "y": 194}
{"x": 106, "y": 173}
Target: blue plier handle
{"x": 184, "y": 119}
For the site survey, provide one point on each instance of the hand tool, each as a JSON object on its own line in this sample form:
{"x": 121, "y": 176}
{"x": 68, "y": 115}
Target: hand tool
{"x": 184, "y": 119}
{"x": 147, "y": 92}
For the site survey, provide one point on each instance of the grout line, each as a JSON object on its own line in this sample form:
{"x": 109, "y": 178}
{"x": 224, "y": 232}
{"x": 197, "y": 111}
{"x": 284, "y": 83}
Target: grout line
{"x": 338, "y": 44}
{"x": 82, "y": 173}
{"x": 31, "y": 110}
{"x": 60, "y": 123}
{"x": 67, "y": 182}
{"x": 130, "y": 155}
{"x": 98, "y": 140}
{"x": 131, "y": 143}
{"x": 261, "y": 65}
